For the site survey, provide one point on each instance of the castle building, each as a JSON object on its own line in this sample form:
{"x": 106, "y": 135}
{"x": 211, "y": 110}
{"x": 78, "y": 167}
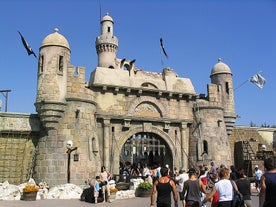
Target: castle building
{"x": 124, "y": 115}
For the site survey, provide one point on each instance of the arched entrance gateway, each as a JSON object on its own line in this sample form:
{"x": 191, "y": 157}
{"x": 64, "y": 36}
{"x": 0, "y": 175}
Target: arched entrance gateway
{"x": 145, "y": 143}
{"x": 145, "y": 148}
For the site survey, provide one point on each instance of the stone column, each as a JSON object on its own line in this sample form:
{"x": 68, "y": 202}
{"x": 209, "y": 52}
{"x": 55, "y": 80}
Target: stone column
{"x": 184, "y": 146}
{"x": 106, "y": 148}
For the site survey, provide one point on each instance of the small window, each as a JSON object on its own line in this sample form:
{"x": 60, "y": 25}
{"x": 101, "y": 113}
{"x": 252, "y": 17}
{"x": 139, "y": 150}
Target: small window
{"x": 205, "y": 147}
{"x": 60, "y": 64}
{"x": 108, "y": 29}
{"x": 227, "y": 87}
{"x": 41, "y": 62}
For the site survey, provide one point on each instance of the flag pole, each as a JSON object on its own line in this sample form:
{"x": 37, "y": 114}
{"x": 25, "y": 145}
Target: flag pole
{"x": 241, "y": 85}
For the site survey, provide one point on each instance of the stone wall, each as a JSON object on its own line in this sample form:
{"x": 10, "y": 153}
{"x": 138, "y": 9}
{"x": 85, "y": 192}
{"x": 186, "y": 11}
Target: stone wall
{"x": 18, "y": 138}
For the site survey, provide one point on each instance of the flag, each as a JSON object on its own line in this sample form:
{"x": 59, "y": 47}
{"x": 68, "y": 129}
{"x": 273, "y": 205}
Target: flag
{"x": 162, "y": 46}
{"x": 258, "y": 80}
{"x": 26, "y": 45}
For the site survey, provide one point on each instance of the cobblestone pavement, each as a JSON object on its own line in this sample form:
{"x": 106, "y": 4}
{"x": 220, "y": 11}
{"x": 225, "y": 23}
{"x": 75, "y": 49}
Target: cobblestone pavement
{"x": 131, "y": 202}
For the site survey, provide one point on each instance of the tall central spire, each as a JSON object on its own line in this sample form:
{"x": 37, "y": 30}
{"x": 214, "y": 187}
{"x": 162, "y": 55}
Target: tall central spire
{"x": 106, "y": 43}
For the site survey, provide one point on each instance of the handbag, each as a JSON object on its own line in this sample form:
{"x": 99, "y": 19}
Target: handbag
{"x": 237, "y": 197}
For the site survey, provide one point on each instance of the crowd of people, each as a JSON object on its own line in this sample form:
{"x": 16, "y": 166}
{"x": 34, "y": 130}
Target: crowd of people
{"x": 215, "y": 184}
{"x": 196, "y": 187}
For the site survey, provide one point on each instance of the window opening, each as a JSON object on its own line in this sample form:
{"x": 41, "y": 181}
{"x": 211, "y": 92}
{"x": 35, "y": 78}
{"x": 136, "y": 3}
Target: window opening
{"x": 227, "y": 87}
{"x": 205, "y": 146}
{"x": 60, "y": 64}
{"x": 41, "y": 62}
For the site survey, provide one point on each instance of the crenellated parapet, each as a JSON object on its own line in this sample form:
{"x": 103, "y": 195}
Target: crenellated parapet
{"x": 77, "y": 87}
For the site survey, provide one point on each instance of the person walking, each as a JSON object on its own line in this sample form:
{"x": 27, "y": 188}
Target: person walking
{"x": 244, "y": 187}
{"x": 193, "y": 188}
{"x": 223, "y": 187}
{"x": 203, "y": 177}
{"x": 180, "y": 179}
{"x": 268, "y": 184}
{"x": 163, "y": 187}
{"x": 258, "y": 175}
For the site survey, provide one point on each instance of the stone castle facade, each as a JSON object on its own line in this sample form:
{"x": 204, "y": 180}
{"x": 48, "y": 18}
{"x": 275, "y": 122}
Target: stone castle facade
{"x": 123, "y": 114}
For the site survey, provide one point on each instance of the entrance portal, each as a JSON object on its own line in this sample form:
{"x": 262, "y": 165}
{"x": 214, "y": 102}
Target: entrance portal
{"x": 145, "y": 148}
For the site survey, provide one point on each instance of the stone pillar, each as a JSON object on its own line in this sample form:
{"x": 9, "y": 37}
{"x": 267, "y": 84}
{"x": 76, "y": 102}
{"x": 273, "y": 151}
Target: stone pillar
{"x": 106, "y": 148}
{"x": 184, "y": 146}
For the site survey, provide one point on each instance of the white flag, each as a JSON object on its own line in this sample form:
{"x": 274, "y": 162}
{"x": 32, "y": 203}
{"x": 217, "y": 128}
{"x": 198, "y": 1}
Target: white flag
{"x": 258, "y": 80}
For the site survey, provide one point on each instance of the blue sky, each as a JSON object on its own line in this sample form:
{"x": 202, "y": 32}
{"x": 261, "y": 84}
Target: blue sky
{"x": 195, "y": 34}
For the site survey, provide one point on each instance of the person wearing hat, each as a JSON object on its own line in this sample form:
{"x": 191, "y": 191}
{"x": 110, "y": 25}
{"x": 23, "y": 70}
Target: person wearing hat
{"x": 193, "y": 188}
{"x": 163, "y": 187}
{"x": 258, "y": 174}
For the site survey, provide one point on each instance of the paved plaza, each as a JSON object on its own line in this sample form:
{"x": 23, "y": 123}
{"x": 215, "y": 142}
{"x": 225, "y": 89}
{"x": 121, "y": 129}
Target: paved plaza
{"x": 131, "y": 202}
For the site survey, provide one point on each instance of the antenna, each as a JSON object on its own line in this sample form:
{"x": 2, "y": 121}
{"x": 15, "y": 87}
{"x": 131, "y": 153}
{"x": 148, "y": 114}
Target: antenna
{"x": 100, "y": 9}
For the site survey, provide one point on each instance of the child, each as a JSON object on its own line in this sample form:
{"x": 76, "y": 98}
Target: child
{"x": 97, "y": 188}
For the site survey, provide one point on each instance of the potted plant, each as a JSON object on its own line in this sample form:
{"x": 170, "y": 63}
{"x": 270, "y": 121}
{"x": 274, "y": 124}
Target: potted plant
{"x": 144, "y": 189}
{"x": 113, "y": 192}
{"x": 30, "y": 192}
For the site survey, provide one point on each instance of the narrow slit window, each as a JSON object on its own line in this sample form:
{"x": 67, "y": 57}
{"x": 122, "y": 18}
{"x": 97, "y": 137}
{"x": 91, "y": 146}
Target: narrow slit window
{"x": 60, "y": 64}
{"x": 227, "y": 87}
{"x": 205, "y": 147}
{"x": 41, "y": 62}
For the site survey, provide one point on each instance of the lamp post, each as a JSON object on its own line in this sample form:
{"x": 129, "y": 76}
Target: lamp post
{"x": 5, "y": 94}
{"x": 69, "y": 150}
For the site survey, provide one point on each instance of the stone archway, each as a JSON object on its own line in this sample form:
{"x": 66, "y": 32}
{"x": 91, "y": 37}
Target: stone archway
{"x": 145, "y": 149}
{"x": 146, "y": 128}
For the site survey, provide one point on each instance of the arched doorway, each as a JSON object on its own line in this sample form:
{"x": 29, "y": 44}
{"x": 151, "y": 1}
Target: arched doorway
{"x": 145, "y": 148}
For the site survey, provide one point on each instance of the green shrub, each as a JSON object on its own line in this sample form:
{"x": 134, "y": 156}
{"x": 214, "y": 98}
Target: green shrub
{"x": 145, "y": 186}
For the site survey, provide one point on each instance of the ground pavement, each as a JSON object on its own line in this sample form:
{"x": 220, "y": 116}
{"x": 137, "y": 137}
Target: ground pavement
{"x": 131, "y": 202}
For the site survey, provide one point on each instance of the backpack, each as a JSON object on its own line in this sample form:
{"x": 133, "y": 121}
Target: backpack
{"x": 237, "y": 197}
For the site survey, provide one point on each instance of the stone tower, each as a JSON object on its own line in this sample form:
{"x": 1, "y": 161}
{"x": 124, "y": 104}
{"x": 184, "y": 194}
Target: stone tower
{"x": 214, "y": 118}
{"x": 106, "y": 44}
{"x": 54, "y": 60}
{"x": 66, "y": 111}
{"x": 222, "y": 75}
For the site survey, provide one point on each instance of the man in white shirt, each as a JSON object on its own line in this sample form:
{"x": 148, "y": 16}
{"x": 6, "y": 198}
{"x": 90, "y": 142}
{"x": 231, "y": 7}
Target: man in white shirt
{"x": 180, "y": 179}
{"x": 258, "y": 175}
